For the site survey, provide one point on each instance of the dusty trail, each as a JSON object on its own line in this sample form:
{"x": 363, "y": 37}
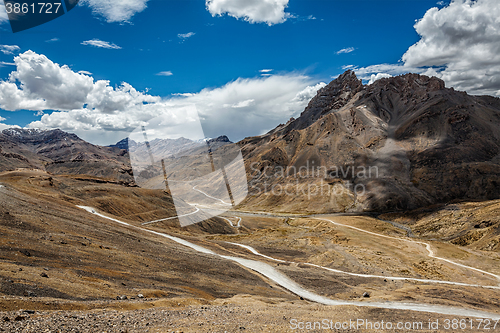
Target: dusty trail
{"x": 285, "y": 282}
{"x": 171, "y": 218}
{"x": 427, "y": 246}
{"x": 197, "y": 209}
{"x": 238, "y": 224}
{"x": 251, "y": 249}
{"x": 211, "y": 197}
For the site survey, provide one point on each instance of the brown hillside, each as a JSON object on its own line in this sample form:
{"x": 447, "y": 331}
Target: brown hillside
{"x": 424, "y": 143}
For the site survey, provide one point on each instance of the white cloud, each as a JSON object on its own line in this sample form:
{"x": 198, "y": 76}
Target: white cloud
{"x": 3, "y": 63}
{"x": 247, "y": 107}
{"x": 165, "y": 73}
{"x": 40, "y": 84}
{"x": 265, "y": 72}
{"x": 373, "y": 73}
{"x": 459, "y": 43}
{"x": 303, "y": 18}
{"x": 102, "y": 114}
{"x": 243, "y": 104}
{"x": 9, "y": 49}
{"x": 2, "y": 118}
{"x": 346, "y": 50}
{"x": 464, "y": 38}
{"x": 308, "y": 93}
{"x": 116, "y": 11}
{"x": 389, "y": 69}
{"x": 186, "y": 35}
{"x": 253, "y": 11}
{"x": 100, "y": 43}
{"x": 5, "y": 126}
{"x": 52, "y": 40}
{"x": 85, "y": 72}
{"x": 3, "y": 13}
{"x": 376, "y": 77}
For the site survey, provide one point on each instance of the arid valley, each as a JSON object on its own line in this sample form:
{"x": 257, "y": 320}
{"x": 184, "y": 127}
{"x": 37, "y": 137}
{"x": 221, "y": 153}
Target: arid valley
{"x": 85, "y": 249}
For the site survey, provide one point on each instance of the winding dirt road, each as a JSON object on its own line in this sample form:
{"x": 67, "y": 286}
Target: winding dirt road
{"x": 285, "y": 282}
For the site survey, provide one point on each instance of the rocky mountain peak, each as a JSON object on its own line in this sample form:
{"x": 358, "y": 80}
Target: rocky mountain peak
{"x": 221, "y": 139}
{"x": 35, "y": 135}
{"x": 124, "y": 144}
{"x": 331, "y": 97}
{"x": 409, "y": 82}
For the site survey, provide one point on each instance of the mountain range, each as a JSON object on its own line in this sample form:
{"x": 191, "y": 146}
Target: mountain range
{"x": 400, "y": 143}
{"x": 59, "y": 152}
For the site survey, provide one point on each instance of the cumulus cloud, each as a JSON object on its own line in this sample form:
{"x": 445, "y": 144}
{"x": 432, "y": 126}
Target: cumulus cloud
{"x": 459, "y": 43}
{"x": 464, "y": 38}
{"x": 5, "y": 126}
{"x": 102, "y": 114}
{"x": 9, "y": 49}
{"x": 40, "y": 84}
{"x": 309, "y": 92}
{"x": 116, "y": 11}
{"x": 253, "y": 11}
{"x": 376, "y": 77}
{"x": 100, "y": 43}
{"x": 85, "y": 72}
{"x": 346, "y": 50}
{"x": 165, "y": 73}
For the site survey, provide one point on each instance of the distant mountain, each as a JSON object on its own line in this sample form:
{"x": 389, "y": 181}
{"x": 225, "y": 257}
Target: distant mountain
{"x": 59, "y": 152}
{"x": 181, "y": 156}
{"x": 169, "y": 146}
{"x": 123, "y": 144}
{"x": 424, "y": 144}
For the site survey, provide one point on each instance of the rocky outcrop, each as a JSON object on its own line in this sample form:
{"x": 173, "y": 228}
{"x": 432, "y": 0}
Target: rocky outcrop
{"x": 331, "y": 97}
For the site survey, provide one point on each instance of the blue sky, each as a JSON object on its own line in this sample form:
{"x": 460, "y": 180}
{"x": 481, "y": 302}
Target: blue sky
{"x": 163, "y": 48}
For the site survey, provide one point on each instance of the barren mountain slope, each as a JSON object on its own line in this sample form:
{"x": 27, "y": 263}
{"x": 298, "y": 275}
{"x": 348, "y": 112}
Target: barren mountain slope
{"x": 50, "y": 248}
{"x": 61, "y": 153}
{"x": 400, "y": 143}
{"x": 475, "y": 225}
